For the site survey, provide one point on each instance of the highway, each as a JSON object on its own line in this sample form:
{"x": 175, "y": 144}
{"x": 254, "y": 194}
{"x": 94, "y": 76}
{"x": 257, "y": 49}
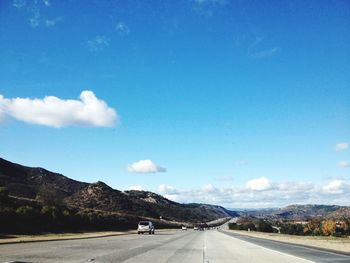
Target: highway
{"x": 166, "y": 246}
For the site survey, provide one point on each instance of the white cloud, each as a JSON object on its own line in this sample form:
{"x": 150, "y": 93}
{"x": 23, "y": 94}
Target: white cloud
{"x": 136, "y": 187}
{"x": 167, "y": 190}
{"x": 259, "y": 184}
{"x": 281, "y": 194}
{"x": 341, "y": 146}
{"x": 98, "y": 43}
{"x": 335, "y": 187}
{"x": 122, "y": 28}
{"x": 209, "y": 188}
{"x": 53, "y": 22}
{"x": 2, "y": 111}
{"x": 145, "y": 166}
{"x": 344, "y": 164}
{"x": 55, "y": 112}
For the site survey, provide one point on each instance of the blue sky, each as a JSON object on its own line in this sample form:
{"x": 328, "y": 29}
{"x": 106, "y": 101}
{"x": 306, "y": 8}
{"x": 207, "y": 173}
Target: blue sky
{"x": 226, "y": 102}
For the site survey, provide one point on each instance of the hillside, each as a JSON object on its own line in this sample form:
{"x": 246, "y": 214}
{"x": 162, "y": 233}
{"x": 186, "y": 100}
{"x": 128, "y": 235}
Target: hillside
{"x": 22, "y": 181}
{"x": 301, "y": 212}
{"x": 42, "y": 186}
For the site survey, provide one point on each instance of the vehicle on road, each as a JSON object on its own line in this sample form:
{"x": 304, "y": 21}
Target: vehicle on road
{"x": 184, "y": 228}
{"x": 195, "y": 228}
{"x": 145, "y": 227}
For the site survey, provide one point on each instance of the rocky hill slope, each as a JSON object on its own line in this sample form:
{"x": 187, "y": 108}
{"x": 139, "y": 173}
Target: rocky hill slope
{"x": 40, "y": 185}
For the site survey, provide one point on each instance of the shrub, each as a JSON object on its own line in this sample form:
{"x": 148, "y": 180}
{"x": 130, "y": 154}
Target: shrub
{"x": 264, "y": 226}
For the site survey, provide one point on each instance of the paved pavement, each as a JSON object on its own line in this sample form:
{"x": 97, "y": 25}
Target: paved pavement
{"x": 165, "y": 246}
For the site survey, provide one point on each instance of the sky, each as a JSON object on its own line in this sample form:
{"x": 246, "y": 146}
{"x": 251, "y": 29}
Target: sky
{"x": 244, "y": 104}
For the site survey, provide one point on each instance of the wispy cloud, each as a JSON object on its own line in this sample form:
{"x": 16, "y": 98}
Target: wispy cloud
{"x": 241, "y": 162}
{"x": 224, "y": 178}
{"x": 145, "y": 166}
{"x": 204, "y": 2}
{"x": 55, "y": 112}
{"x": 35, "y": 19}
{"x": 167, "y": 190}
{"x": 256, "y": 51}
{"x": 19, "y": 3}
{"x": 53, "y": 22}
{"x": 344, "y": 164}
{"x": 341, "y": 146}
{"x": 34, "y": 9}
{"x": 122, "y": 28}
{"x": 207, "y": 8}
{"x": 98, "y": 43}
{"x": 47, "y": 2}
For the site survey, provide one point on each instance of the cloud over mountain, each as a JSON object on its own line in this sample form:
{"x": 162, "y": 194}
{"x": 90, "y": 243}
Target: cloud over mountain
{"x": 263, "y": 192}
{"x": 259, "y": 184}
{"x": 145, "y": 166}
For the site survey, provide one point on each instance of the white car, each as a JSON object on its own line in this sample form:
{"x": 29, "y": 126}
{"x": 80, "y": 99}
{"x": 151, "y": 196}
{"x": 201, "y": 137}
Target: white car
{"x": 145, "y": 227}
{"x": 184, "y": 228}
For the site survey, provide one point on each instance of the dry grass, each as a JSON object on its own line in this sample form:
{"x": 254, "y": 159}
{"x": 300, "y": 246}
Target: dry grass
{"x": 61, "y": 236}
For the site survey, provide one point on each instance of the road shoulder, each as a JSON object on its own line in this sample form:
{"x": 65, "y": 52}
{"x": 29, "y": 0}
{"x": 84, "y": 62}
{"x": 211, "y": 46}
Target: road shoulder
{"x": 337, "y": 245}
{"x": 13, "y": 239}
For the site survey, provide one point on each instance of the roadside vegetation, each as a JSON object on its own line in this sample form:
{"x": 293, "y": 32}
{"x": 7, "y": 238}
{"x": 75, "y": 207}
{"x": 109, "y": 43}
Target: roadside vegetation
{"x": 20, "y": 216}
{"x": 49, "y": 214}
{"x": 312, "y": 227}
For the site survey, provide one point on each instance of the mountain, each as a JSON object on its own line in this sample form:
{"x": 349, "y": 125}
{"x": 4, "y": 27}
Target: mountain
{"x": 42, "y": 186}
{"x": 301, "y": 212}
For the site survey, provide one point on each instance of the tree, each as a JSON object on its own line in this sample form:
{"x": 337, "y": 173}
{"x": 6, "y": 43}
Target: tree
{"x": 4, "y": 195}
{"x": 329, "y": 227}
{"x": 232, "y": 226}
{"x": 313, "y": 227}
{"x": 49, "y": 196}
{"x": 264, "y": 226}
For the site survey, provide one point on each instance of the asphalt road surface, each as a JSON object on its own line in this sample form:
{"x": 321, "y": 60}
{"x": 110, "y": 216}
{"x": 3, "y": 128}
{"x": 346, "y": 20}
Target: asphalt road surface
{"x": 166, "y": 246}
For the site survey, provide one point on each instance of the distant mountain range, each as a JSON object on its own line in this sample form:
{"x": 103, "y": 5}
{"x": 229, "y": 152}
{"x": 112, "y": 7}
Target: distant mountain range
{"x": 300, "y": 212}
{"x": 40, "y": 185}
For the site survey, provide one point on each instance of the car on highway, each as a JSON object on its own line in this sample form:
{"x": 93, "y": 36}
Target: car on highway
{"x": 195, "y": 228}
{"x": 184, "y": 228}
{"x": 145, "y": 227}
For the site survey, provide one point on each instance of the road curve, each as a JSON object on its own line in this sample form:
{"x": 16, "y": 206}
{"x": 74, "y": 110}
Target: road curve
{"x": 165, "y": 246}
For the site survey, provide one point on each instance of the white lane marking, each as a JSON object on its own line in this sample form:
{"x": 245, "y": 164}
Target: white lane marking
{"x": 130, "y": 248}
{"x": 278, "y": 252}
{"x": 205, "y": 248}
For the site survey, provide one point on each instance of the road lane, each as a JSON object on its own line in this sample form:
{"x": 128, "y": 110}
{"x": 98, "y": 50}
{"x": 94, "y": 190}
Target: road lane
{"x": 108, "y": 249}
{"x": 166, "y": 246}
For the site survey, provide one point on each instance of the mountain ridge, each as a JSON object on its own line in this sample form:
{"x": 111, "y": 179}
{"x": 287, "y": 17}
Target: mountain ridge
{"x": 41, "y": 185}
